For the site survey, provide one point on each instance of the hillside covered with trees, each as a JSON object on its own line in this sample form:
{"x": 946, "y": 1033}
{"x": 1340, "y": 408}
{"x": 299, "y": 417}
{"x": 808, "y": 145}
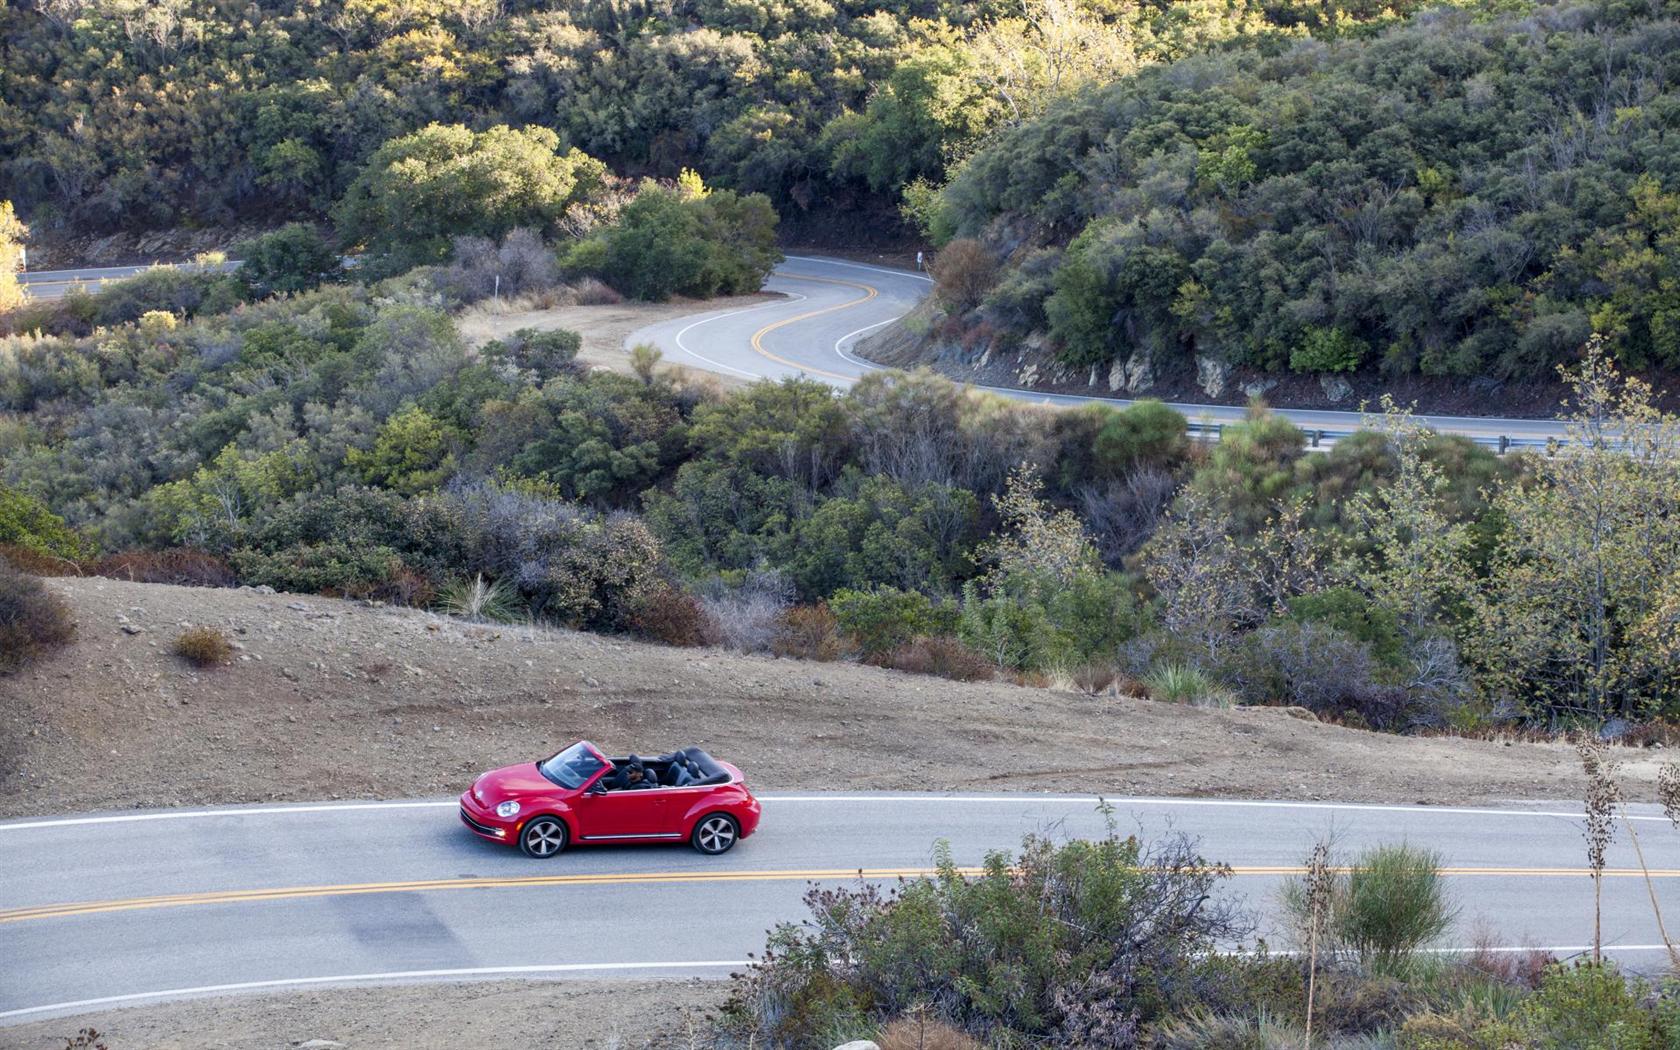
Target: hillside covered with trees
{"x": 1466, "y": 194}
{"x": 146, "y": 113}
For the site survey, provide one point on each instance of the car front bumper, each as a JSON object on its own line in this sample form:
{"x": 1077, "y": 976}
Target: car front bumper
{"x": 485, "y": 824}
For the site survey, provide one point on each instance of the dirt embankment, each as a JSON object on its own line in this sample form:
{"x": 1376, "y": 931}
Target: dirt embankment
{"x": 563, "y": 1015}
{"x": 334, "y": 699}
{"x": 604, "y": 327}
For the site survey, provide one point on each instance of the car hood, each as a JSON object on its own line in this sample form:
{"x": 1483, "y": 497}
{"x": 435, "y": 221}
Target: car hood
{"x": 513, "y": 782}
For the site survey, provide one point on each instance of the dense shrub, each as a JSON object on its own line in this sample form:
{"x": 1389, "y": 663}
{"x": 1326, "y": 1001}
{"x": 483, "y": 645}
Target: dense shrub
{"x": 748, "y": 617}
{"x": 33, "y": 620}
{"x": 522, "y": 263}
{"x": 204, "y": 646}
{"x": 944, "y": 657}
{"x": 183, "y": 567}
{"x": 809, "y": 632}
{"x": 543, "y": 352}
{"x": 671, "y": 615}
{"x": 294, "y": 258}
{"x": 680, "y": 242}
{"x": 1389, "y": 903}
{"x": 882, "y": 619}
{"x": 182, "y": 291}
{"x": 446, "y": 180}
{"x": 27, "y": 523}
{"x": 1057, "y": 944}
{"x": 964, "y": 271}
{"x": 321, "y": 568}
{"x": 1593, "y": 1007}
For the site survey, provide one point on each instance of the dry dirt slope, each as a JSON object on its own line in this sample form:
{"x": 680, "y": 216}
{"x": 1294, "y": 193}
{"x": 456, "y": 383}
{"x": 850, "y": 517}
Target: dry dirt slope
{"x": 331, "y": 699}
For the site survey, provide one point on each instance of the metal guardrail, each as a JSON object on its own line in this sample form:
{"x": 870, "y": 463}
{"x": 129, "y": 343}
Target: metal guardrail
{"x": 1321, "y": 438}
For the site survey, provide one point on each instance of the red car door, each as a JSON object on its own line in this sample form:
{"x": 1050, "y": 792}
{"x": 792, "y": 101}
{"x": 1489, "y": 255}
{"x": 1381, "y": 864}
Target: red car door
{"x": 622, "y": 815}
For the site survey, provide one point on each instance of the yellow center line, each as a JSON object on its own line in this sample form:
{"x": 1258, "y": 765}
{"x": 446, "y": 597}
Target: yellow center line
{"x": 758, "y": 336}
{"x": 73, "y": 908}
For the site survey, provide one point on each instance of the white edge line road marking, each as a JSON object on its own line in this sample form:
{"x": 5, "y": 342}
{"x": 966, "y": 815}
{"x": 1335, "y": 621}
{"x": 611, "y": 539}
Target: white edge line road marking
{"x": 839, "y": 344}
{"x": 793, "y": 297}
{"x": 860, "y": 266}
{"x": 1118, "y": 802}
{"x": 562, "y": 968}
{"x": 400, "y": 975}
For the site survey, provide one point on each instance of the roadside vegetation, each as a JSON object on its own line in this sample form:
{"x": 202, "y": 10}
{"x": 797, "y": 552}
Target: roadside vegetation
{"x": 343, "y": 440}
{"x": 1117, "y": 943}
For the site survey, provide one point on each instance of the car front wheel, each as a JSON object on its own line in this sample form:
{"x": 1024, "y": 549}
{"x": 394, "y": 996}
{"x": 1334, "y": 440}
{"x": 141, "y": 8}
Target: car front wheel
{"x": 715, "y": 834}
{"x": 543, "y": 838}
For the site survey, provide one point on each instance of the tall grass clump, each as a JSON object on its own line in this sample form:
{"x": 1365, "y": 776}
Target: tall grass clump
{"x": 1381, "y": 909}
{"x": 1184, "y": 684}
{"x": 1396, "y": 903}
{"x": 480, "y": 600}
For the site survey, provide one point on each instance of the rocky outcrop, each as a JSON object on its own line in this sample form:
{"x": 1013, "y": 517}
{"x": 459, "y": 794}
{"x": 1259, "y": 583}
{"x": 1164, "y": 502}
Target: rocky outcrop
{"x": 1136, "y": 373}
{"x": 1212, "y": 375}
{"x": 1257, "y": 387}
{"x": 1336, "y": 389}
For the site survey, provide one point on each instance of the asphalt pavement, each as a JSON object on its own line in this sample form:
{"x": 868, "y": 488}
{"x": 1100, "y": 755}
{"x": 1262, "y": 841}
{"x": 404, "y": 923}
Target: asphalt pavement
{"x": 828, "y": 305}
{"x": 106, "y": 910}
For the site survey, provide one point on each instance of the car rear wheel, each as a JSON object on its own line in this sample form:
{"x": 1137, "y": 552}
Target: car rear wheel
{"x": 543, "y": 838}
{"x": 715, "y": 834}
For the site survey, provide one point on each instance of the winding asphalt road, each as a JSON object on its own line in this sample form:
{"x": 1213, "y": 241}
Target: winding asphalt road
{"x": 103, "y": 911}
{"x": 830, "y": 304}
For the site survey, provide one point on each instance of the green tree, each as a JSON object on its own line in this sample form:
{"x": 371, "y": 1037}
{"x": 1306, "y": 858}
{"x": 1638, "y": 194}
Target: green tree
{"x": 414, "y": 452}
{"x": 445, "y": 180}
{"x": 27, "y": 522}
{"x": 294, "y": 258}
{"x": 1413, "y": 557}
{"x": 1572, "y": 616}
{"x": 676, "y": 241}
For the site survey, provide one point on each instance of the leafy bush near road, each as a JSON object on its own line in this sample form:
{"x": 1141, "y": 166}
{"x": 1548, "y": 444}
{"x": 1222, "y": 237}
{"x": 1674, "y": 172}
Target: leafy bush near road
{"x": 1113, "y": 943}
{"x": 1072, "y": 942}
{"x": 293, "y": 258}
{"x": 446, "y": 180}
{"x": 33, "y": 620}
{"x": 685, "y": 241}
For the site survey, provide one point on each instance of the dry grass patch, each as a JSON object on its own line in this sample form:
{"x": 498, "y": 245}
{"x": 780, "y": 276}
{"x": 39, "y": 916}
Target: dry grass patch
{"x": 204, "y": 647}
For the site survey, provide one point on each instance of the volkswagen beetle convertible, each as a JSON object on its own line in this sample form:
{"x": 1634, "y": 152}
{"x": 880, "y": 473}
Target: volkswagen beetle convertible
{"x": 583, "y": 797}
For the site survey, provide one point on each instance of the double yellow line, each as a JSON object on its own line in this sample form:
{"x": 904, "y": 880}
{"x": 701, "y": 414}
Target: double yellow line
{"x": 74, "y": 908}
{"x": 758, "y": 336}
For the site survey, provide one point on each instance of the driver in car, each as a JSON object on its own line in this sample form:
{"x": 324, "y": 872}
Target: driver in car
{"x": 631, "y": 776}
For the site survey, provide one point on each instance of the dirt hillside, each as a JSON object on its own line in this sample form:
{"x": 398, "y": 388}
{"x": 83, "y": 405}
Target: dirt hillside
{"x": 335, "y": 699}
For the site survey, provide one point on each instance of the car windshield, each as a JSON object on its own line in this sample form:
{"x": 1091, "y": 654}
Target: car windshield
{"x": 571, "y": 767}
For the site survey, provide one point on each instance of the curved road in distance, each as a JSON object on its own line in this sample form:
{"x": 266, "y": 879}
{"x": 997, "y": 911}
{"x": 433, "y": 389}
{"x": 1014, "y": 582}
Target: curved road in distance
{"x": 830, "y": 304}
{"x": 103, "y": 911}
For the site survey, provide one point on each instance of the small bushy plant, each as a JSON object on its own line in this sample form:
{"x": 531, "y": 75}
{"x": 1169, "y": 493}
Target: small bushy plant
{"x": 809, "y": 632}
{"x": 33, "y": 620}
{"x": 204, "y": 646}
{"x": 944, "y": 657}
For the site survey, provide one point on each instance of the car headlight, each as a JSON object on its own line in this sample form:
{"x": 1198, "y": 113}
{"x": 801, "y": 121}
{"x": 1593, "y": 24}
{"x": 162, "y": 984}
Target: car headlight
{"x": 507, "y": 809}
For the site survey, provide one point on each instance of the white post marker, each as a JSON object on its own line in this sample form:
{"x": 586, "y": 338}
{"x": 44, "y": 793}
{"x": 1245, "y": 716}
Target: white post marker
{"x": 918, "y": 262}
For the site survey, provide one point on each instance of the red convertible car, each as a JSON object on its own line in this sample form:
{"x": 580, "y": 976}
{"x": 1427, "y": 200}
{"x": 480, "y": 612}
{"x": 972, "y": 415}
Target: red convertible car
{"x": 582, "y": 796}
